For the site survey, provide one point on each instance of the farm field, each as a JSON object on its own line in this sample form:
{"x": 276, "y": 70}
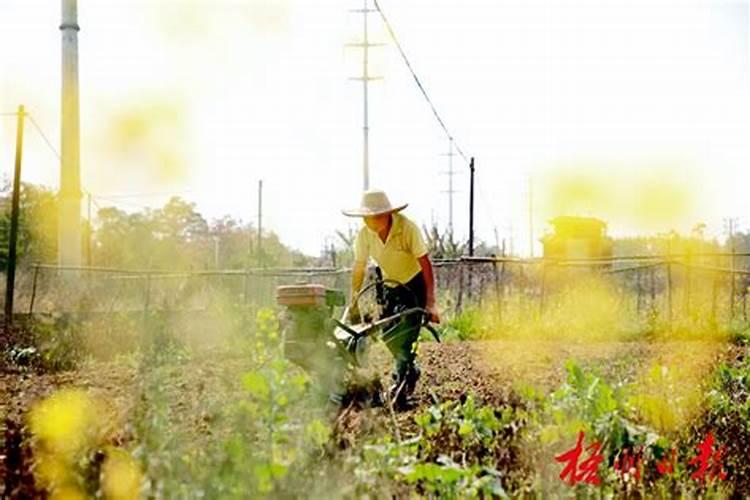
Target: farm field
{"x": 487, "y": 419}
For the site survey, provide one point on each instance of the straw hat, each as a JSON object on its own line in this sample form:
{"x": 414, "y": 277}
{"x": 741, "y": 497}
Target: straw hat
{"x": 374, "y": 202}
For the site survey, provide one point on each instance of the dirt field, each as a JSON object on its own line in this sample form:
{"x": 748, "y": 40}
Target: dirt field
{"x": 490, "y": 370}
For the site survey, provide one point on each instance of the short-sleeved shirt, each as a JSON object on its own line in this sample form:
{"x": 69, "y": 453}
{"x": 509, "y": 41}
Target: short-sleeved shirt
{"x": 397, "y": 257}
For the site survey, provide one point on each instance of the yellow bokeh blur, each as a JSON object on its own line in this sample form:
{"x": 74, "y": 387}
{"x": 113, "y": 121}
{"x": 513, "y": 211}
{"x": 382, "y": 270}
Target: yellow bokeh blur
{"x": 66, "y": 422}
{"x": 69, "y": 428}
{"x": 121, "y": 476}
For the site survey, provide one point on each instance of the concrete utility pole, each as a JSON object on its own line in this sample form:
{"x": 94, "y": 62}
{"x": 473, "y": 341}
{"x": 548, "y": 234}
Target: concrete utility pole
{"x": 365, "y": 79}
{"x": 69, "y": 228}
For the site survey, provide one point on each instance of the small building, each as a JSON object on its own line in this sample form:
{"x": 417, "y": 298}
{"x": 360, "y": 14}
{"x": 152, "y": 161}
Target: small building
{"x": 577, "y": 238}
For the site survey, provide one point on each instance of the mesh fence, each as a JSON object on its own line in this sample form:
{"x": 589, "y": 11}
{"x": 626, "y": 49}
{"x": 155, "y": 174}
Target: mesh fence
{"x": 709, "y": 286}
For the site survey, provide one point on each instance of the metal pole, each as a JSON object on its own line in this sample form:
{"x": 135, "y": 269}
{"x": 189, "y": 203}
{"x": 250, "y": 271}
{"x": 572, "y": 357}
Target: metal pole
{"x": 69, "y": 230}
{"x": 10, "y": 283}
{"x": 33, "y": 289}
{"x": 471, "y": 208}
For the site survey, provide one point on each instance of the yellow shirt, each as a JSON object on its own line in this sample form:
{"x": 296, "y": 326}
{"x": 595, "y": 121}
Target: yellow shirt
{"x": 397, "y": 257}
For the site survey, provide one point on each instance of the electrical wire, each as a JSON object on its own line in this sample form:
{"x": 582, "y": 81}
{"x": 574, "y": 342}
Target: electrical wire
{"x": 44, "y": 136}
{"x": 417, "y": 80}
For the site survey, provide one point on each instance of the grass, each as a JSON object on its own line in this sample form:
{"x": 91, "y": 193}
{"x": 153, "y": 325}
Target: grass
{"x": 229, "y": 417}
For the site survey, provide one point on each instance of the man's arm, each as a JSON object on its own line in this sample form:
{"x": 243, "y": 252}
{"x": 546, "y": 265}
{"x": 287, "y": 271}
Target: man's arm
{"x": 429, "y": 279}
{"x": 358, "y": 276}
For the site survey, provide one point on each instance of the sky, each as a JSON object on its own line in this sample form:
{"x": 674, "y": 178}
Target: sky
{"x": 635, "y": 111}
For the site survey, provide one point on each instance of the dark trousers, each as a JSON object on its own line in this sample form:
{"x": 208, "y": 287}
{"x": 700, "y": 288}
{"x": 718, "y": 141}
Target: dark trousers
{"x": 401, "y": 337}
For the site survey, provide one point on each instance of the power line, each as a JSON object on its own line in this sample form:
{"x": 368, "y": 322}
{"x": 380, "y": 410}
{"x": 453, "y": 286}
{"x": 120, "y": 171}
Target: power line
{"x": 44, "y": 136}
{"x": 416, "y": 79}
{"x": 39, "y": 129}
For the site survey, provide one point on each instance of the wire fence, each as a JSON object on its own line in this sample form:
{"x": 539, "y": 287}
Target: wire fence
{"x": 713, "y": 286}
{"x": 710, "y": 287}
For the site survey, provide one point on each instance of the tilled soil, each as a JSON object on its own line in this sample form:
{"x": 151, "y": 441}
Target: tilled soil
{"x": 491, "y": 371}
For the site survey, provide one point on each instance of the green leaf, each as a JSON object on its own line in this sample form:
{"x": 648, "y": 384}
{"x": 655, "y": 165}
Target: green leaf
{"x": 256, "y": 384}
{"x": 466, "y": 428}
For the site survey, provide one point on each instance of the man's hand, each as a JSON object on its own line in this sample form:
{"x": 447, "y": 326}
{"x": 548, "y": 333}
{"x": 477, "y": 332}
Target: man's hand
{"x": 432, "y": 313}
{"x": 429, "y": 279}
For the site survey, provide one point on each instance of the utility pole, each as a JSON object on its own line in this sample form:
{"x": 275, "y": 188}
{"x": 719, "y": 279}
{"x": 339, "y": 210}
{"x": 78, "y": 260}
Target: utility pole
{"x": 531, "y": 217}
{"x": 450, "y": 173}
{"x": 260, "y": 224}
{"x": 69, "y": 229}
{"x": 471, "y": 208}
{"x": 365, "y": 79}
{"x": 11, "y": 279}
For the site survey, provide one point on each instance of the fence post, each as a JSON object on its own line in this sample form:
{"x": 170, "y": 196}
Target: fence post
{"x": 498, "y": 293}
{"x": 669, "y": 289}
{"x": 148, "y": 293}
{"x": 652, "y": 285}
{"x": 459, "y": 300}
{"x": 33, "y": 289}
{"x": 669, "y": 286}
{"x": 639, "y": 287}
{"x": 245, "y": 292}
{"x": 714, "y": 287}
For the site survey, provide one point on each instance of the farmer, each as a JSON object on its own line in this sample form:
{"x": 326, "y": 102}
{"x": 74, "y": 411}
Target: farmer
{"x": 396, "y": 245}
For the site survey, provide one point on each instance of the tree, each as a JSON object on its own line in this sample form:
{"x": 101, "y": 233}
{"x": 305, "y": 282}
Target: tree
{"x": 37, "y": 224}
